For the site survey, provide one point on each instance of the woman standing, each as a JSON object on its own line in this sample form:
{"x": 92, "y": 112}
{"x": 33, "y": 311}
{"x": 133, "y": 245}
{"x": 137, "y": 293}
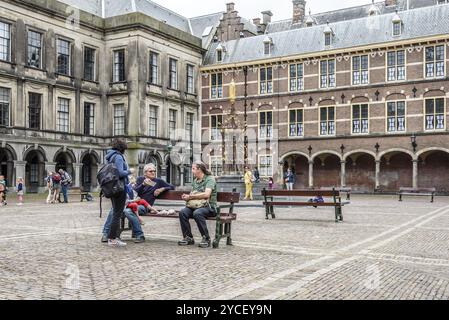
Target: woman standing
{"x": 115, "y": 155}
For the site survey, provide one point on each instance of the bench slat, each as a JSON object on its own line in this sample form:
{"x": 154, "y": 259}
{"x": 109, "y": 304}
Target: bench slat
{"x": 300, "y": 193}
{"x": 304, "y": 204}
{"x": 225, "y": 197}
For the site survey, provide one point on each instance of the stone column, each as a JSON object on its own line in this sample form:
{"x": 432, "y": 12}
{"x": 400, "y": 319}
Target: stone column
{"x": 415, "y": 173}
{"x": 182, "y": 168}
{"x": 377, "y": 174}
{"x": 77, "y": 177}
{"x": 343, "y": 173}
{"x": 310, "y": 174}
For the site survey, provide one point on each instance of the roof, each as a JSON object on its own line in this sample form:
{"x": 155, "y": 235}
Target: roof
{"x": 417, "y": 23}
{"x": 200, "y": 24}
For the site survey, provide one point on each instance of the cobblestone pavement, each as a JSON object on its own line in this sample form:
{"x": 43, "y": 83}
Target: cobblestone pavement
{"x": 385, "y": 249}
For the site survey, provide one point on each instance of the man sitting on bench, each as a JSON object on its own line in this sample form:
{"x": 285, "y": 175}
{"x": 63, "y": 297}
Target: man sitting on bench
{"x": 149, "y": 187}
{"x": 201, "y": 204}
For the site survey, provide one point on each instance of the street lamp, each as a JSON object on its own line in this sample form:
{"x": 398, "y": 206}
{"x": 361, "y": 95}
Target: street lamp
{"x": 413, "y": 141}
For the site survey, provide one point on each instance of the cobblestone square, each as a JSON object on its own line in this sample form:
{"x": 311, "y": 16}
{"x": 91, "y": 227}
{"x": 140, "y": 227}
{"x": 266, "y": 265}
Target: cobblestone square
{"x": 385, "y": 249}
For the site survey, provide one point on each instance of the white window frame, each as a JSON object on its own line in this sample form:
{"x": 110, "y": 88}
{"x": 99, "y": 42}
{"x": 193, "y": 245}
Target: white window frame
{"x": 266, "y": 86}
{"x": 328, "y": 122}
{"x": 328, "y": 75}
{"x": 396, "y": 117}
{"x": 216, "y": 91}
{"x": 266, "y": 167}
{"x": 216, "y": 165}
{"x": 435, "y": 62}
{"x": 435, "y": 115}
{"x": 266, "y": 130}
{"x": 215, "y": 132}
{"x": 190, "y": 79}
{"x": 69, "y": 73}
{"x": 59, "y": 116}
{"x": 296, "y": 84}
{"x": 363, "y": 74}
{"x": 361, "y": 125}
{"x": 150, "y": 119}
{"x": 8, "y": 102}
{"x": 117, "y": 116}
{"x": 298, "y": 126}
{"x": 8, "y": 41}
{"x": 396, "y": 68}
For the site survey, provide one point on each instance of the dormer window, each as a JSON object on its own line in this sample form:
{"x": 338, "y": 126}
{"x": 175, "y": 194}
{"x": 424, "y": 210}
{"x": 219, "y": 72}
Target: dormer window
{"x": 397, "y": 25}
{"x": 267, "y": 43}
{"x": 220, "y": 50}
{"x": 309, "y": 21}
{"x": 328, "y": 33}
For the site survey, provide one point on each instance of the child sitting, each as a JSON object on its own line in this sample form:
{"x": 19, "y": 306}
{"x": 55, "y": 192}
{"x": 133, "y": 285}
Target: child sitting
{"x": 133, "y": 201}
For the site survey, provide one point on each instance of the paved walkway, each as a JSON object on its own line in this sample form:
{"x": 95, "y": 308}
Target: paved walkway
{"x": 384, "y": 250}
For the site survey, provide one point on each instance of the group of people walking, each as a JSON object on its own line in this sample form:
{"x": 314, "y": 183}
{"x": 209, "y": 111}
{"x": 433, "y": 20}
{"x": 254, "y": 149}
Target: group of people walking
{"x": 58, "y": 182}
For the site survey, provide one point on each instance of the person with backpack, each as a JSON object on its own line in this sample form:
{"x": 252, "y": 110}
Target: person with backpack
{"x": 115, "y": 157}
{"x": 66, "y": 180}
{"x": 56, "y": 186}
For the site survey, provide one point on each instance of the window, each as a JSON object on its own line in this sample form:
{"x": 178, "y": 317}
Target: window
{"x": 327, "y": 39}
{"x": 4, "y": 106}
{"x": 266, "y": 124}
{"x": 267, "y": 48}
{"x": 435, "y": 115}
{"x": 396, "y": 65}
{"x": 266, "y": 80}
{"x": 216, "y": 88}
{"x": 119, "y": 66}
{"x": 63, "y": 57}
{"x": 154, "y": 68}
{"x": 435, "y": 61}
{"x": 216, "y": 165}
{"x": 62, "y": 124}
{"x": 397, "y": 28}
{"x": 173, "y": 74}
{"x": 34, "y": 49}
{"x": 296, "y": 77}
{"x": 5, "y": 41}
{"x": 296, "y": 123}
{"x": 153, "y": 121}
{"x": 219, "y": 55}
{"x": 327, "y": 121}
{"x": 327, "y": 73}
{"x": 119, "y": 120}
{"x": 172, "y": 124}
{"x": 360, "y": 74}
{"x": 266, "y": 166}
{"x": 34, "y": 173}
{"x": 189, "y": 126}
{"x": 89, "y": 119}
{"x": 34, "y": 111}
{"x": 190, "y": 80}
{"x": 360, "y": 118}
{"x": 396, "y": 116}
{"x": 89, "y": 64}
{"x": 215, "y": 127}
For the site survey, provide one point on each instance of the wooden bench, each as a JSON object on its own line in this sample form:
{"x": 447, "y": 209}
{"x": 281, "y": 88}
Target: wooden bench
{"x": 417, "y": 192}
{"x": 75, "y": 192}
{"x": 223, "y": 220}
{"x": 346, "y": 190}
{"x": 334, "y": 195}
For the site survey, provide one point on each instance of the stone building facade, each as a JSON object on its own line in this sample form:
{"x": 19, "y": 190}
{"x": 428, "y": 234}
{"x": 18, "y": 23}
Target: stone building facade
{"x": 359, "y": 100}
{"x": 75, "y": 74}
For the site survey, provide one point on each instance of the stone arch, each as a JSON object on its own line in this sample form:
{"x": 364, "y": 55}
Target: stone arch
{"x": 292, "y": 153}
{"x": 91, "y": 153}
{"x": 31, "y": 149}
{"x": 433, "y": 169}
{"x": 68, "y": 152}
{"x": 396, "y": 169}
{"x": 327, "y": 102}
{"x": 326, "y": 169}
{"x": 435, "y": 93}
{"x": 359, "y": 99}
{"x": 65, "y": 160}
{"x": 395, "y": 96}
{"x": 34, "y": 169}
{"x": 90, "y": 161}
{"x": 345, "y": 157}
{"x": 326, "y": 152}
{"x": 7, "y": 158}
{"x": 299, "y": 163}
{"x": 296, "y": 105}
{"x": 360, "y": 170}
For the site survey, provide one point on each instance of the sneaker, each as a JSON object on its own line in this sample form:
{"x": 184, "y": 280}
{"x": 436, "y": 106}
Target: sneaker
{"x": 205, "y": 243}
{"x": 104, "y": 239}
{"x": 139, "y": 240}
{"x": 116, "y": 243}
{"x": 187, "y": 241}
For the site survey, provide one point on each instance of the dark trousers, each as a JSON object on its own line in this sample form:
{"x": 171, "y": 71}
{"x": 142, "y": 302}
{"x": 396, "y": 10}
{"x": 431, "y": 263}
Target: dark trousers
{"x": 65, "y": 189}
{"x": 118, "y": 205}
{"x": 199, "y": 215}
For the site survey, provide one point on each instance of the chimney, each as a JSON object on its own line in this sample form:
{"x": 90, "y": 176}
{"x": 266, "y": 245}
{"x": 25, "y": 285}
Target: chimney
{"x": 256, "y": 21}
{"x": 230, "y": 6}
{"x": 266, "y": 17}
{"x": 299, "y": 11}
{"x": 390, "y": 3}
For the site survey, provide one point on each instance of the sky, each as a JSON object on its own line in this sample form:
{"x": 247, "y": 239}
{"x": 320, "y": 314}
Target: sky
{"x": 282, "y": 9}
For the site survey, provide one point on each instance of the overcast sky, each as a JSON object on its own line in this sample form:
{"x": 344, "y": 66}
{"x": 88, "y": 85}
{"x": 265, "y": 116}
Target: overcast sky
{"x": 282, "y": 9}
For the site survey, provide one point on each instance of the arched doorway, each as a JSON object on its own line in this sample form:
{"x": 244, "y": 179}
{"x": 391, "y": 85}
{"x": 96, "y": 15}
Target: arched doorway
{"x": 7, "y": 165}
{"x": 65, "y": 160}
{"x": 361, "y": 172}
{"x": 433, "y": 170}
{"x": 396, "y": 170}
{"x": 326, "y": 171}
{"x": 35, "y": 171}
{"x": 300, "y": 168}
{"x": 89, "y": 171}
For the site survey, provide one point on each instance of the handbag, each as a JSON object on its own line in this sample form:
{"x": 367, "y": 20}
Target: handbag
{"x": 197, "y": 204}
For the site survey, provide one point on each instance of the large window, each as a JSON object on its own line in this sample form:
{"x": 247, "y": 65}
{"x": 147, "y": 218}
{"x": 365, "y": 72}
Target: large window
{"x": 435, "y": 115}
{"x": 327, "y": 74}
{"x": 4, "y": 106}
{"x": 63, "y": 120}
{"x": 172, "y": 124}
{"x": 89, "y": 64}
{"x": 266, "y": 166}
{"x": 216, "y": 88}
{"x": 119, "y": 66}
{"x": 216, "y": 122}
{"x": 327, "y": 121}
{"x": 360, "y": 73}
{"x": 296, "y": 77}
{"x": 119, "y": 120}
{"x": 34, "y": 110}
{"x": 216, "y": 165}
{"x": 190, "y": 79}
{"x": 34, "y": 49}
{"x": 189, "y": 126}
{"x": 396, "y": 65}
{"x": 360, "y": 118}
{"x": 5, "y": 41}
{"x": 266, "y": 124}
{"x": 89, "y": 119}
{"x": 154, "y": 68}
{"x": 435, "y": 61}
{"x": 266, "y": 80}
{"x": 173, "y": 68}
{"x": 153, "y": 121}
{"x": 64, "y": 59}
{"x": 296, "y": 123}
{"x": 396, "y": 116}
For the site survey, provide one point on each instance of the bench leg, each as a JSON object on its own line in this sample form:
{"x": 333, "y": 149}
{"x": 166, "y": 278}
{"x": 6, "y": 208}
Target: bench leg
{"x": 340, "y": 212}
{"x": 218, "y": 234}
{"x": 228, "y": 232}
{"x": 272, "y": 212}
{"x": 431, "y": 201}
{"x": 400, "y": 197}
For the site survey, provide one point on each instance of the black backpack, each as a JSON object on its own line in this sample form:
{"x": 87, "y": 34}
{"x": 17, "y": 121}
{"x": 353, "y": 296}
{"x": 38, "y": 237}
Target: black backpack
{"x": 109, "y": 181}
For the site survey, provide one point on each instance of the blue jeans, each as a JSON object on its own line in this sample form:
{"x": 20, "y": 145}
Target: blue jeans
{"x": 64, "y": 189}
{"x": 135, "y": 224}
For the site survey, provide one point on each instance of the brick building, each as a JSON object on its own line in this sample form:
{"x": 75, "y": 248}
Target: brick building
{"x": 358, "y": 96}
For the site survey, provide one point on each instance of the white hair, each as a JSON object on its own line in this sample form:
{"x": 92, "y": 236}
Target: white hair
{"x": 148, "y": 167}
